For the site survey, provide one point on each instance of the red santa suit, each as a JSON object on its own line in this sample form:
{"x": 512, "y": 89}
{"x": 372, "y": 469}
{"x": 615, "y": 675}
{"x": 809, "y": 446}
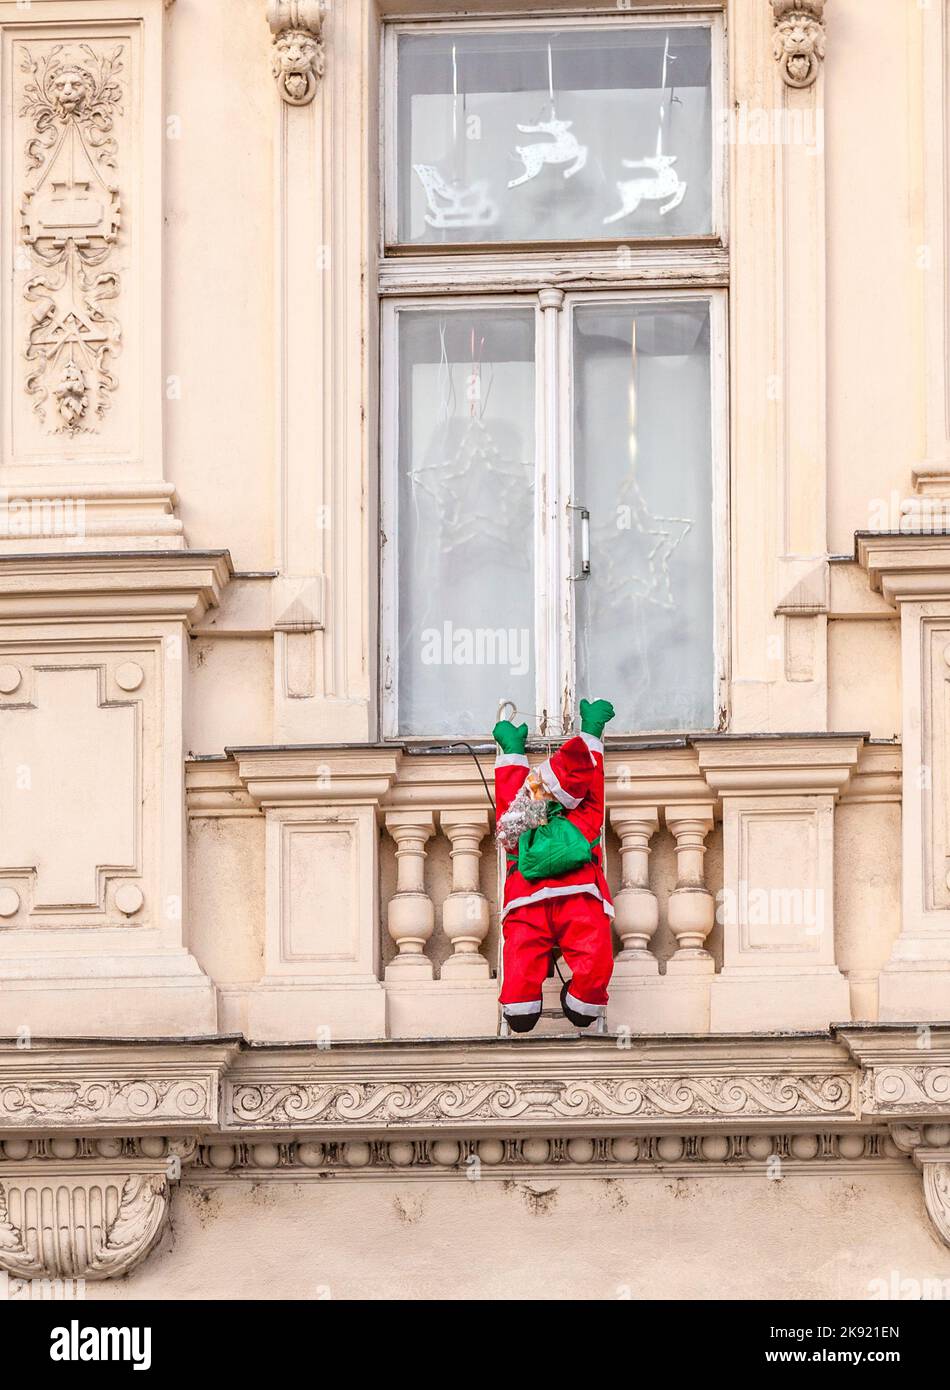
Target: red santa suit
{"x": 571, "y": 911}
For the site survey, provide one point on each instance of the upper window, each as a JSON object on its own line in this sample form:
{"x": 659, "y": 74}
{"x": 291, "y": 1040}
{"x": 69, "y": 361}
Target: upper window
{"x": 552, "y": 434}
{"x": 520, "y": 135}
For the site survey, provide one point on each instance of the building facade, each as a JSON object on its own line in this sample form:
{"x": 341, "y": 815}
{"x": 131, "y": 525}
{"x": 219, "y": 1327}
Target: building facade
{"x": 370, "y": 368}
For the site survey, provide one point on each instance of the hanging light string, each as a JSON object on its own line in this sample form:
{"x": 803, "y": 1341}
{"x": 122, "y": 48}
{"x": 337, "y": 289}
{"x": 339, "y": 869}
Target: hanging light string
{"x": 666, "y": 84}
{"x": 455, "y": 98}
{"x": 446, "y": 384}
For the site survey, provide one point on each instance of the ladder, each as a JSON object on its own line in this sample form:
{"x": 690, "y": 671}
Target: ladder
{"x": 598, "y": 1026}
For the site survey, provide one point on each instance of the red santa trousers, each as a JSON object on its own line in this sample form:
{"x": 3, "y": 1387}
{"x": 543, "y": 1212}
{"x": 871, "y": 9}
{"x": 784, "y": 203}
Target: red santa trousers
{"x": 578, "y": 924}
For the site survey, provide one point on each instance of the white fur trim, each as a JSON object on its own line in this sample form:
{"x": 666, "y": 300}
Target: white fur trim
{"x": 532, "y": 1007}
{"x": 596, "y": 745}
{"x": 511, "y": 760}
{"x": 580, "y": 1007}
{"x": 552, "y": 785}
{"x": 541, "y": 895}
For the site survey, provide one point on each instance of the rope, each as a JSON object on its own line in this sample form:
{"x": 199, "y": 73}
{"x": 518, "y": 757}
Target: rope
{"x": 460, "y": 743}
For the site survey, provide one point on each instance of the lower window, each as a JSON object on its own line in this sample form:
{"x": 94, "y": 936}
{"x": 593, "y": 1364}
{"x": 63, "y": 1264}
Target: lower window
{"x": 553, "y": 511}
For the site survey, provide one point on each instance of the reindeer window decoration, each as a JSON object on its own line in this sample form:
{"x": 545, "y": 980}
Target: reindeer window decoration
{"x": 563, "y": 148}
{"x": 661, "y": 183}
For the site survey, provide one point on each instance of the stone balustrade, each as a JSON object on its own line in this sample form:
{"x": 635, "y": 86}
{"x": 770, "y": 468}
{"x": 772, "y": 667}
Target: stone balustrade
{"x": 381, "y": 879}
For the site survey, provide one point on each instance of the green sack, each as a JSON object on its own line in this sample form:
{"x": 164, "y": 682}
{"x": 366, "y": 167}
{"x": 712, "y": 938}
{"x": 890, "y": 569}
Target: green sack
{"x": 552, "y": 849}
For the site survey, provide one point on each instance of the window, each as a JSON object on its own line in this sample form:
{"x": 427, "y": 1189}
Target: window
{"x": 553, "y": 361}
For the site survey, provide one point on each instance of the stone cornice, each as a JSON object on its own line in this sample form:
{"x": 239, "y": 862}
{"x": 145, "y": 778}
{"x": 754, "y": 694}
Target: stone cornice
{"x": 227, "y": 1086}
{"x": 785, "y": 765}
{"x": 287, "y": 777}
{"x": 96, "y": 1088}
{"x": 112, "y": 1124}
{"x": 912, "y": 567}
{"x": 221, "y": 1086}
{"x": 179, "y": 585}
{"x": 902, "y": 1076}
{"x": 397, "y": 779}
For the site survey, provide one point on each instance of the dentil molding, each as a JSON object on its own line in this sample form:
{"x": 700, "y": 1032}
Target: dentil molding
{"x": 298, "y": 60}
{"x": 799, "y": 40}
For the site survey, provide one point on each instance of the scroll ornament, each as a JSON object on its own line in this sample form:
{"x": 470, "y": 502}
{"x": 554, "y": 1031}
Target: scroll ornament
{"x": 799, "y": 41}
{"x": 298, "y": 60}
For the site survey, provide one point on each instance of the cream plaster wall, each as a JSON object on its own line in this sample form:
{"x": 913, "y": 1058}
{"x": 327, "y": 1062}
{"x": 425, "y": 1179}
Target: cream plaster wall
{"x": 650, "y": 1238}
{"x": 219, "y": 254}
{"x": 874, "y": 149}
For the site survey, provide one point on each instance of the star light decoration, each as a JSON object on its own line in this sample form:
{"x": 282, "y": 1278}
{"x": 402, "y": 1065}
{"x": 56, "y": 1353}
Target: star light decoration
{"x": 476, "y": 490}
{"x": 640, "y": 571}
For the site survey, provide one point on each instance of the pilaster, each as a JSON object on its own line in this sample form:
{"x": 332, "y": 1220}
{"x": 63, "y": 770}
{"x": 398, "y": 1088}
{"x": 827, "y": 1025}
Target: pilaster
{"x": 777, "y": 907}
{"x": 912, "y": 572}
{"x": 93, "y": 685}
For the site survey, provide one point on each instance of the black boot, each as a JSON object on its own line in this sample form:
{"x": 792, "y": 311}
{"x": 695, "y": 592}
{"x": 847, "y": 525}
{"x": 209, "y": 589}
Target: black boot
{"x": 572, "y": 1016}
{"x": 521, "y": 1023}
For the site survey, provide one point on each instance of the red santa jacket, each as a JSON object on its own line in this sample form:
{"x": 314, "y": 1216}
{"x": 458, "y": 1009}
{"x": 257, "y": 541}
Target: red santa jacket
{"x": 574, "y": 776}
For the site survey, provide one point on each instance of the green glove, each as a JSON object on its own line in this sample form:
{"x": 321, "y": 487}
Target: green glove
{"x": 594, "y": 715}
{"x": 508, "y": 738}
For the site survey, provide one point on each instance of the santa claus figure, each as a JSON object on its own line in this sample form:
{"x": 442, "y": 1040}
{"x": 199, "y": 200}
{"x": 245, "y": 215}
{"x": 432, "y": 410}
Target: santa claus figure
{"x": 550, "y": 822}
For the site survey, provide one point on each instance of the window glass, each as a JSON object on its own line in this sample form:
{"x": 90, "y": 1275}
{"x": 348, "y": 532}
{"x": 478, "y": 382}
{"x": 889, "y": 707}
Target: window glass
{"x": 538, "y": 134}
{"x": 466, "y": 462}
{"x": 642, "y": 449}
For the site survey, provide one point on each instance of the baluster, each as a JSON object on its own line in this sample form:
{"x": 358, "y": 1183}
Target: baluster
{"x": 465, "y": 911}
{"x": 411, "y": 916}
{"x": 691, "y": 907}
{"x": 635, "y": 905}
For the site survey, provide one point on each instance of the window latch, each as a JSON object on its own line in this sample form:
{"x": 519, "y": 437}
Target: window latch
{"x": 585, "y": 540}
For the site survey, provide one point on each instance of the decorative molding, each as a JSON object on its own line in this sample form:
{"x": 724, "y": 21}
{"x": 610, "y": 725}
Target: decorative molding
{"x": 799, "y": 40}
{"x": 929, "y": 1146}
{"x": 170, "y": 586}
{"x": 70, "y": 218}
{"x": 909, "y": 1090}
{"x": 75, "y": 1100}
{"x": 80, "y": 1227}
{"x": 85, "y": 1087}
{"x": 936, "y": 1177}
{"x": 504, "y": 1156}
{"x": 298, "y": 60}
{"x": 85, "y": 1208}
{"x": 537, "y": 1101}
{"x": 95, "y": 1132}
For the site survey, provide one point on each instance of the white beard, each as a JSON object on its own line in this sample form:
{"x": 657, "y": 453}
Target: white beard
{"x": 524, "y": 813}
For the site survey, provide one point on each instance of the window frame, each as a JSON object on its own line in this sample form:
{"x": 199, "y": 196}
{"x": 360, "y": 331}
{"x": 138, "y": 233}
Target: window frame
{"x": 483, "y": 275}
{"x": 554, "y": 536}
{"x": 389, "y": 244}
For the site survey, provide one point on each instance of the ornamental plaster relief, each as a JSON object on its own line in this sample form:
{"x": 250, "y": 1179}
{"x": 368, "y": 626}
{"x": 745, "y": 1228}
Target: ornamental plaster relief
{"x": 62, "y": 1100}
{"x": 298, "y": 59}
{"x": 537, "y": 1101}
{"x": 82, "y": 388}
{"x": 71, "y": 100}
{"x": 59, "y": 707}
{"x": 110, "y": 1224}
{"x": 616, "y": 1155}
{"x": 799, "y": 40}
{"x": 83, "y": 1209}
